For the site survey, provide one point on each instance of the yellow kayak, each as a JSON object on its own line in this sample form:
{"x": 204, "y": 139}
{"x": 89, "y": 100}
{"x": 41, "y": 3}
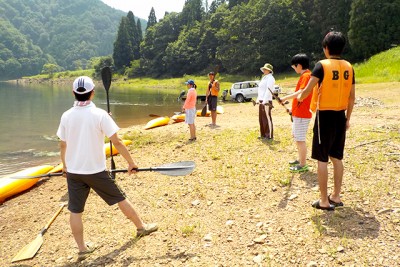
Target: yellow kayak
{"x": 10, "y": 187}
{"x": 114, "y": 150}
{"x": 179, "y": 117}
{"x": 161, "y": 121}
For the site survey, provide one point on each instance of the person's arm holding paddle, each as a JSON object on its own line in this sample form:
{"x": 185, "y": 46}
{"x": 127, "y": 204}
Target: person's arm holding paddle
{"x": 120, "y": 146}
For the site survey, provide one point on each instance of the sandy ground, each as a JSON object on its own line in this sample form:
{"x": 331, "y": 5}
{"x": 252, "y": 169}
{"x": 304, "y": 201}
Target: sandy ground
{"x": 241, "y": 206}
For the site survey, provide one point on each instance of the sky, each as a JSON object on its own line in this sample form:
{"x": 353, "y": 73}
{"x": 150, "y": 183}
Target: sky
{"x": 141, "y": 8}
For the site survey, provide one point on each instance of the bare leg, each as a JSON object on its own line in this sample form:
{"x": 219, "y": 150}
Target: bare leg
{"x": 128, "y": 210}
{"x": 323, "y": 183}
{"x": 214, "y": 117}
{"x": 192, "y": 129}
{"x": 302, "y": 151}
{"x": 75, "y": 220}
{"x": 337, "y": 178}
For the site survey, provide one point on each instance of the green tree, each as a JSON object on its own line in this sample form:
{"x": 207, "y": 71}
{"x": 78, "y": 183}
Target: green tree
{"x": 374, "y": 26}
{"x": 50, "y": 69}
{"x": 122, "y": 54}
{"x": 152, "y": 19}
{"x": 134, "y": 35}
{"x": 155, "y": 43}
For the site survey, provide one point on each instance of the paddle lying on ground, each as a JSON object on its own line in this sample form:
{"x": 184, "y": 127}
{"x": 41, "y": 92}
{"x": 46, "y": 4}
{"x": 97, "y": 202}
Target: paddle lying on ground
{"x": 30, "y": 250}
{"x": 180, "y": 168}
{"x": 106, "y": 78}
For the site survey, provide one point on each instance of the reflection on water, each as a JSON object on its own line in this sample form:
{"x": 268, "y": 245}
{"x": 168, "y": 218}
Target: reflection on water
{"x": 30, "y": 114}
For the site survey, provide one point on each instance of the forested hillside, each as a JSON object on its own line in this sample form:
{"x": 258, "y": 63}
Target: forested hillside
{"x": 64, "y": 33}
{"x": 240, "y": 36}
{"x": 236, "y": 36}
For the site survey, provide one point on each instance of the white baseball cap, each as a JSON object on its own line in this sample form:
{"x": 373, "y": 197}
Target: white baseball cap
{"x": 83, "y": 85}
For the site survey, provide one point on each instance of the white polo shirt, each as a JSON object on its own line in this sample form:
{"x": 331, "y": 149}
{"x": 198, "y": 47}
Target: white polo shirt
{"x": 267, "y": 81}
{"x": 84, "y": 129}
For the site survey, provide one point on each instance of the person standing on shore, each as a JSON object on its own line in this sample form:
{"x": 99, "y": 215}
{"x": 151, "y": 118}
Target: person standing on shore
{"x": 212, "y": 98}
{"x": 82, "y": 130}
{"x": 300, "y": 111}
{"x": 333, "y": 103}
{"x": 264, "y": 100}
{"x": 189, "y": 107}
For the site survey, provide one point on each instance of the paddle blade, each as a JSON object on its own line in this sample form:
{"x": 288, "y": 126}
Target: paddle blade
{"x": 106, "y": 77}
{"x": 204, "y": 111}
{"x": 181, "y": 168}
{"x": 30, "y": 250}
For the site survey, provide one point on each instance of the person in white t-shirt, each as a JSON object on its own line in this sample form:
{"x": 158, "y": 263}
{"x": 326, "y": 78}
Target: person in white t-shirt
{"x": 82, "y": 131}
{"x": 264, "y": 99}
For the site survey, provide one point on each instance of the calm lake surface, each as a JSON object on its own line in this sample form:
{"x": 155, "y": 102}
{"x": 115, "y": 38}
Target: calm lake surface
{"x": 30, "y": 114}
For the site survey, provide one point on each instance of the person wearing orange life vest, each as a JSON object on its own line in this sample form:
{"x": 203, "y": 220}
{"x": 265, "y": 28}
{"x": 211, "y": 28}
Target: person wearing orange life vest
{"x": 212, "y": 98}
{"x": 333, "y": 102}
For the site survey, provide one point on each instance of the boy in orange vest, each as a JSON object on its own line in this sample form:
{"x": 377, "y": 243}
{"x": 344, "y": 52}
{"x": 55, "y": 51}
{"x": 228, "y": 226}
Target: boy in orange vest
{"x": 333, "y": 103}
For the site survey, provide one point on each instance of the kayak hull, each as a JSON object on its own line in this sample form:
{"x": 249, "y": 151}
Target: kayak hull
{"x": 114, "y": 150}
{"x": 10, "y": 187}
{"x": 161, "y": 121}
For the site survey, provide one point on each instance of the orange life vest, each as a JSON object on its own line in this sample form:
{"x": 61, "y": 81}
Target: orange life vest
{"x": 334, "y": 91}
{"x": 213, "y": 89}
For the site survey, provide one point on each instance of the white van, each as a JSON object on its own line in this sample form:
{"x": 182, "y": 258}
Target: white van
{"x": 245, "y": 91}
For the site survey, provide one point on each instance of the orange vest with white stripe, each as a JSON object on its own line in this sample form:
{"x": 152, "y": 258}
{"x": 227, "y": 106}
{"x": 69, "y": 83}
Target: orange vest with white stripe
{"x": 334, "y": 91}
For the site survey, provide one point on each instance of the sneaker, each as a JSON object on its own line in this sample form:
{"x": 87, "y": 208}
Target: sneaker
{"x": 146, "y": 230}
{"x": 84, "y": 254}
{"x": 298, "y": 168}
{"x": 294, "y": 162}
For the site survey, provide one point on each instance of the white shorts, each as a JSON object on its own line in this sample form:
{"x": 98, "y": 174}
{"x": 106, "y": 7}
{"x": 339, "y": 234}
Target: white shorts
{"x": 190, "y": 115}
{"x": 299, "y": 128}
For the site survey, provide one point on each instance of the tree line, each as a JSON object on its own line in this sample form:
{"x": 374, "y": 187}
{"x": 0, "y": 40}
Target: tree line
{"x": 240, "y": 36}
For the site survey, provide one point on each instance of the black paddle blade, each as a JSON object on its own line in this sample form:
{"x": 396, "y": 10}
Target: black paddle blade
{"x": 181, "y": 168}
{"x": 106, "y": 77}
{"x": 204, "y": 111}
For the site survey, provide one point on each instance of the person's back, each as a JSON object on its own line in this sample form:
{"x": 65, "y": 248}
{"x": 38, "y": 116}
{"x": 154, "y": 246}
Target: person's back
{"x": 85, "y": 128}
{"x": 333, "y": 103}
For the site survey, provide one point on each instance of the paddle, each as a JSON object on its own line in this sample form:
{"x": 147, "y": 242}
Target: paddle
{"x": 204, "y": 110}
{"x": 30, "y": 250}
{"x": 172, "y": 169}
{"x": 282, "y": 103}
{"x": 106, "y": 77}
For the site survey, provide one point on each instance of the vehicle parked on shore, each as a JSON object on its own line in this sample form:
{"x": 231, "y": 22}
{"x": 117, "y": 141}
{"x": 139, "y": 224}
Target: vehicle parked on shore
{"x": 245, "y": 91}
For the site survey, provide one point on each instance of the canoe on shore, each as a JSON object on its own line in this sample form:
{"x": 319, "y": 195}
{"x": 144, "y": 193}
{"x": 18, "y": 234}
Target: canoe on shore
{"x": 161, "y": 121}
{"x": 10, "y": 186}
{"x": 114, "y": 150}
{"x": 179, "y": 117}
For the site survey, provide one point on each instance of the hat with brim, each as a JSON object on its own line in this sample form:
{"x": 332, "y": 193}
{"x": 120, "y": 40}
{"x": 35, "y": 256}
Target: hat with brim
{"x": 83, "y": 85}
{"x": 191, "y": 82}
{"x": 267, "y": 66}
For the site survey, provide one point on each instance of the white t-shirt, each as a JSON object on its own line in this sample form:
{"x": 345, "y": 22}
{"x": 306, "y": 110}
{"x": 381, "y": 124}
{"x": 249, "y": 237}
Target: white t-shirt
{"x": 268, "y": 81}
{"x": 84, "y": 129}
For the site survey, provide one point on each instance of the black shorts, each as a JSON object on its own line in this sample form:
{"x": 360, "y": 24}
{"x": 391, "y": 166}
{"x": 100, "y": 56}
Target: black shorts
{"x": 79, "y": 186}
{"x": 212, "y": 102}
{"x": 332, "y": 133}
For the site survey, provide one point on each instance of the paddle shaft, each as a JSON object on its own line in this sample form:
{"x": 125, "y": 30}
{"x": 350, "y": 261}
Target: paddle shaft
{"x": 106, "y": 77}
{"x": 30, "y": 250}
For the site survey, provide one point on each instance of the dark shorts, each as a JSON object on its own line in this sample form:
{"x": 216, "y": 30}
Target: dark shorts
{"x": 79, "y": 187}
{"x": 332, "y": 133}
{"x": 212, "y": 103}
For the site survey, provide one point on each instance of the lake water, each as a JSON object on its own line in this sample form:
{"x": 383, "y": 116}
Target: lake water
{"x": 30, "y": 114}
